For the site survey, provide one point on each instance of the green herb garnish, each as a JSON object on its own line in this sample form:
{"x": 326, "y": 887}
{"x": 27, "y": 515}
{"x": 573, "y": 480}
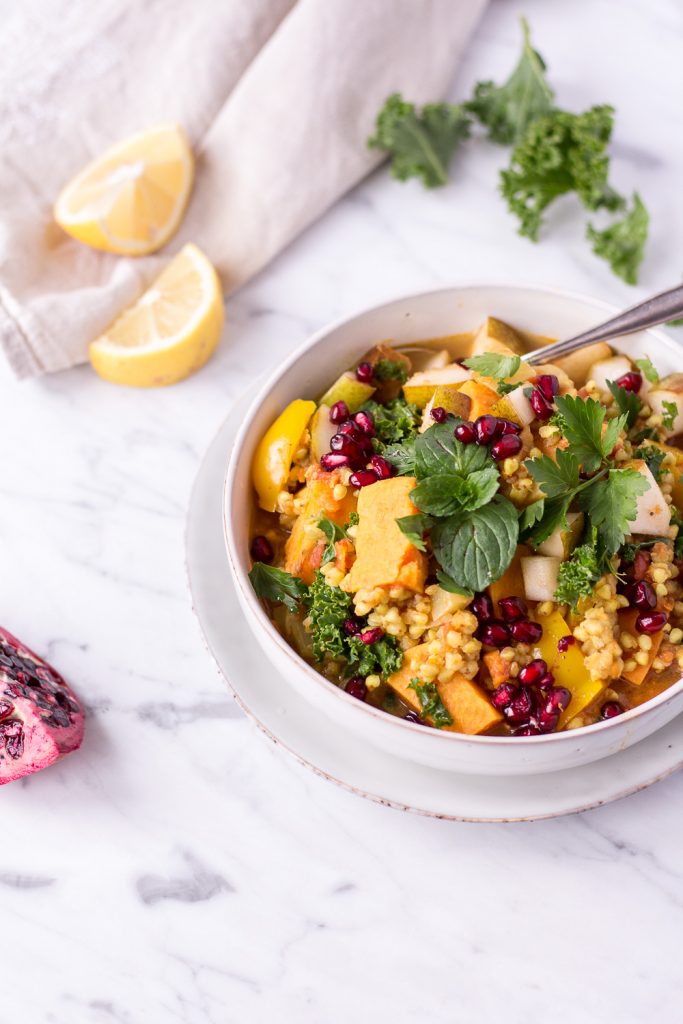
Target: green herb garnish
{"x": 654, "y": 457}
{"x": 414, "y": 528}
{"x": 647, "y": 369}
{"x": 333, "y": 533}
{"x": 431, "y": 705}
{"x": 622, "y": 244}
{"x": 628, "y": 402}
{"x": 560, "y": 153}
{"x": 395, "y": 422}
{"x": 579, "y": 574}
{"x": 277, "y": 585}
{"x": 390, "y": 369}
{"x": 507, "y": 110}
{"x": 420, "y": 144}
{"x": 492, "y": 364}
{"x": 669, "y": 415}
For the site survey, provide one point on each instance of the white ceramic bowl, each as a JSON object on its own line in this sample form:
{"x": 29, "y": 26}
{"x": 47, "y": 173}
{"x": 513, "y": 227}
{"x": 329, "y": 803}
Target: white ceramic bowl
{"x": 306, "y": 374}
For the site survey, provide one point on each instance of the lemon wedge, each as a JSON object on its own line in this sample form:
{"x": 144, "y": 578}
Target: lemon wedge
{"x": 130, "y": 200}
{"x": 170, "y": 331}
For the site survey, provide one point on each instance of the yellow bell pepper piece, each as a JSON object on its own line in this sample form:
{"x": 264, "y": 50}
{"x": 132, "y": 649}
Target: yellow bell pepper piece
{"x": 568, "y": 666}
{"x": 272, "y": 460}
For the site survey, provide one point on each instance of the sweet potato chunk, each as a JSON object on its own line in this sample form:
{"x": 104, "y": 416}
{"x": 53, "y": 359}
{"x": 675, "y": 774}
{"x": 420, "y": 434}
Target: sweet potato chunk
{"x": 304, "y": 548}
{"x": 466, "y": 703}
{"x": 499, "y": 668}
{"x": 384, "y": 556}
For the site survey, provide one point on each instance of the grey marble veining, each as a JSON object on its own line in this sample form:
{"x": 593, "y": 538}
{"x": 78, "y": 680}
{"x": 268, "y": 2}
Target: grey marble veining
{"x": 179, "y": 868}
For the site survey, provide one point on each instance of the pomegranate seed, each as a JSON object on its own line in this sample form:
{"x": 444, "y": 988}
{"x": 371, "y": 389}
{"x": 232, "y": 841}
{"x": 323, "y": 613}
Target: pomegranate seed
{"x": 543, "y": 409}
{"x": 262, "y": 549}
{"x": 495, "y": 634}
{"x": 641, "y": 563}
{"x": 350, "y": 627}
{"x": 371, "y": 636}
{"x": 611, "y": 709}
{"x": 521, "y": 707}
{"x": 503, "y": 696}
{"x": 365, "y": 373}
{"x": 557, "y": 699}
{"x": 548, "y": 385}
{"x": 651, "y": 622}
{"x": 439, "y": 414}
{"x": 546, "y": 682}
{"x": 547, "y": 720}
{"x": 346, "y": 445}
{"x": 527, "y": 730}
{"x": 631, "y": 381}
{"x": 348, "y": 427}
{"x": 532, "y": 673}
{"x": 412, "y": 716}
{"x": 486, "y": 429}
{"x": 339, "y": 412}
{"x": 508, "y": 446}
{"x": 512, "y": 608}
{"x": 363, "y": 478}
{"x": 644, "y": 597}
{"x": 382, "y": 468}
{"x": 333, "y": 460}
{"x": 5, "y": 708}
{"x": 357, "y": 688}
{"x": 565, "y": 642}
{"x": 526, "y": 632}
{"x": 365, "y": 423}
{"x": 509, "y": 427}
{"x": 482, "y": 606}
{"x": 465, "y": 432}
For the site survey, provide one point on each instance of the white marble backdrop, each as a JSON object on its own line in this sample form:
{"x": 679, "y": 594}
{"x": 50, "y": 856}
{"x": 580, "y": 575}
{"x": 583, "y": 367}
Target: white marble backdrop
{"x": 181, "y": 869}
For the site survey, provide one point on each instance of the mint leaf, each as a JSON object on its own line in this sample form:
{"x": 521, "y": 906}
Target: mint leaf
{"x": 611, "y": 505}
{"x": 414, "y": 528}
{"x": 622, "y": 244}
{"x": 446, "y": 583}
{"x": 507, "y": 110}
{"x": 420, "y": 144}
{"x": 628, "y": 402}
{"x": 493, "y": 364}
{"x": 445, "y": 493}
{"x": 277, "y": 585}
{"x": 669, "y": 415}
{"x": 559, "y": 153}
{"x": 431, "y": 705}
{"x": 437, "y": 451}
{"x": 555, "y": 477}
{"x": 647, "y": 369}
{"x": 475, "y": 548}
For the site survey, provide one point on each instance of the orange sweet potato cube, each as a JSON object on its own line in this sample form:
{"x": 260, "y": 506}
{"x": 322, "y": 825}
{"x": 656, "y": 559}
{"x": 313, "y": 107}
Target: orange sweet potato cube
{"x": 384, "y": 555}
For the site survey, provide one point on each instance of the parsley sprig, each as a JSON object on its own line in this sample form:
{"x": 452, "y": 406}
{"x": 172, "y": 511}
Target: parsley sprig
{"x": 608, "y": 497}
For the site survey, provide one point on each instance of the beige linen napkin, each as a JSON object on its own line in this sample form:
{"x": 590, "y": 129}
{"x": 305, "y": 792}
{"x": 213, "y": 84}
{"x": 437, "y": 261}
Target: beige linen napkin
{"x": 277, "y": 97}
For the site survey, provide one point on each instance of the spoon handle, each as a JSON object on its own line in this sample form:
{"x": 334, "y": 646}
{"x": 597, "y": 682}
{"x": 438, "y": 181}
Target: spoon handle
{"x": 655, "y": 310}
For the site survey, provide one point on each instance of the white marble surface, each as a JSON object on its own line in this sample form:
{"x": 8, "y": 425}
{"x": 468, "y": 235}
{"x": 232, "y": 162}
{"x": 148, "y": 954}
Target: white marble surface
{"x": 178, "y": 868}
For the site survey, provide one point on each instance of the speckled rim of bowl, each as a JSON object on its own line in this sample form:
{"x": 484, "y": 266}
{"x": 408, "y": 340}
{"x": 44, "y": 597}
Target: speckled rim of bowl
{"x": 438, "y": 735}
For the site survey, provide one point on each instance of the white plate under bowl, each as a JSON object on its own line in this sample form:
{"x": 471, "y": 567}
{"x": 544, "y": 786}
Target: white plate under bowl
{"x": 295, "y": 725}
{"x": 307, "y": 372}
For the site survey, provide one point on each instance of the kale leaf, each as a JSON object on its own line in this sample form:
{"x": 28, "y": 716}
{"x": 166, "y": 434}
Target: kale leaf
{"x": 395, "y": 422}
{"x": 431, "y": 705}
{"x": 420, "y": 144}
{"x": 622, "y": 244}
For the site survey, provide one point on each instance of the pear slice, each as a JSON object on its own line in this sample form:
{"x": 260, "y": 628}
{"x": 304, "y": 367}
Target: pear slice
{"x": 564, "y": 539}
{"x": 421, "y": 386}
{"x": 497, "y": 336}
{"x": 515, "y": 406}
{"x": 670, "y": 389}
{"x": 322, "y": 432}
{"x": 609, "y": 369}
{"x": 578, "y": 365}
{"x": 446, "y": 397}
{"x": 540, "y": 577}
{"x": 653, "y": 515}
{"x": 349, "y": 389}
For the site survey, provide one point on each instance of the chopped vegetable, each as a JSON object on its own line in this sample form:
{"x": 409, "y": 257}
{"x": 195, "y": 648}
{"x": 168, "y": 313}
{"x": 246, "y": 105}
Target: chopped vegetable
{"x": 420, "y": 144}
{"x": 273, "y": 457}
{"x": 622, "y": 244}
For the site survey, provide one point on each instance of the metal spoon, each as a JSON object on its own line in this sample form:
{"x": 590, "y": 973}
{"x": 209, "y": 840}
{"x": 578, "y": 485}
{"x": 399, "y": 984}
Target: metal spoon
{"x": 656, "y": 310}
